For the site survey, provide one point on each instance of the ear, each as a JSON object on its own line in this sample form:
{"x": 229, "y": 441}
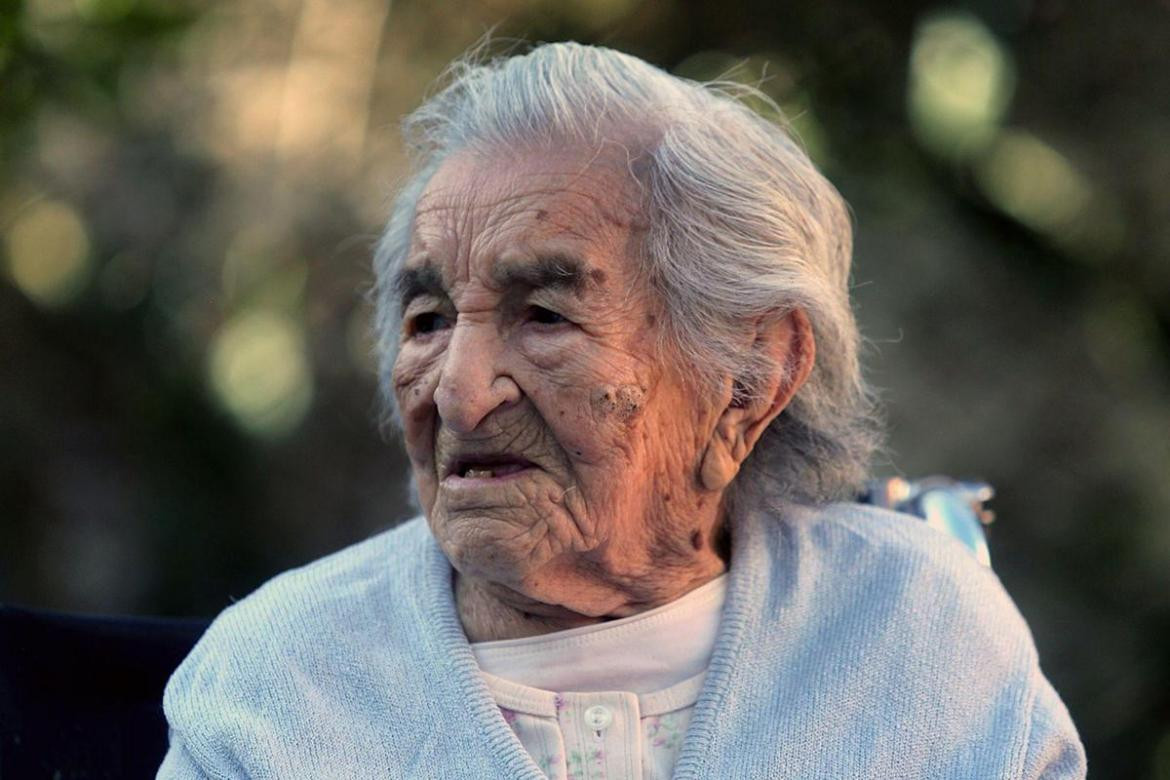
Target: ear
{"x": 790, "y": 348}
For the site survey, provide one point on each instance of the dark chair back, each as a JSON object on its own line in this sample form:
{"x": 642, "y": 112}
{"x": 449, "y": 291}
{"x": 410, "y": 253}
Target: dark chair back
{"x": 81, "y": 696}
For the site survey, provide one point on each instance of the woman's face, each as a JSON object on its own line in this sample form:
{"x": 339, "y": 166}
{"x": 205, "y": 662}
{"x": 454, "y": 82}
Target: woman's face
{"x": 553, "y": 443}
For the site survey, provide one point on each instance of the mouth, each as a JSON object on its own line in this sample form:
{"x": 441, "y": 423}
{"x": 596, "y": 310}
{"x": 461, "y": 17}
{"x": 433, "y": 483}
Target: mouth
{"x": 487, "y": 467}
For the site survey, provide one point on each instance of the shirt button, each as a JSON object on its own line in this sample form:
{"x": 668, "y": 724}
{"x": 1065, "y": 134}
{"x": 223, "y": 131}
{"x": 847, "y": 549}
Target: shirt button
{"x": 598, "y": 717}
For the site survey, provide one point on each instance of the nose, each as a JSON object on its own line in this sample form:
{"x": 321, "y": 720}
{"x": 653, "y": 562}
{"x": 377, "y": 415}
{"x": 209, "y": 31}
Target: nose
{"x": 470, "y": 385}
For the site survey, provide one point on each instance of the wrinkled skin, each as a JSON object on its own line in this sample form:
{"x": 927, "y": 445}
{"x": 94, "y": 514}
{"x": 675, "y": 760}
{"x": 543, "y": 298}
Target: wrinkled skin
{"x": 608, "y": 513}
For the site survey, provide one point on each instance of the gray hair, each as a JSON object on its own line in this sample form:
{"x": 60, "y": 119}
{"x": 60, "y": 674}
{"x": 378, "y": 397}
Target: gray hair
{"x": 741, "y": 226}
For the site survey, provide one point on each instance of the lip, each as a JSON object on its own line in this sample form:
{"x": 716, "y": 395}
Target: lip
{"x": 456, "y": 482}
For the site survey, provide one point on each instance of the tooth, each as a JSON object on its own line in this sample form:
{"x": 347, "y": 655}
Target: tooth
{"x": 479, "y": 473}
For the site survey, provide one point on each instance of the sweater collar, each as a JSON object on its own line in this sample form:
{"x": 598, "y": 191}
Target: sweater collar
{"x": 747, "y": 585}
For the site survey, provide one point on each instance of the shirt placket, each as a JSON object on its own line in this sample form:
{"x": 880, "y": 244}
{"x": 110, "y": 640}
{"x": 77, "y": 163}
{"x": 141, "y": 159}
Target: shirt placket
{"x": 602, "y": 735}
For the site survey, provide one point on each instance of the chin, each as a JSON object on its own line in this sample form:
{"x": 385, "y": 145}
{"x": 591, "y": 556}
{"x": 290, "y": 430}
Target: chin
{"x": 474, "y": 553}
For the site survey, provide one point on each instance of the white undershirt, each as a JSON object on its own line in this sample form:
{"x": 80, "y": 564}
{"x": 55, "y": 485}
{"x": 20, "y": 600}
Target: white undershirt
{"x": 609, "y": 700}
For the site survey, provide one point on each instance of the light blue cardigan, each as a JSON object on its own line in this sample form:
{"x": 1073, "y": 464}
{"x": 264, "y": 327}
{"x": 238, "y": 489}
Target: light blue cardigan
{"x": 855, "y": 643}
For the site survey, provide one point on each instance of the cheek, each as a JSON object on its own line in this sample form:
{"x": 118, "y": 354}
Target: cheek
{"x": 596, "y": 416}
{"x": 549, "y": 354}
{"x": 416, "y": 374}
{"x": 556, "y": 378}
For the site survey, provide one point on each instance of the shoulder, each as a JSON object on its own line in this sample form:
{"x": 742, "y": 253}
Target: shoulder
{"x": 883, "y": 532}
{"x": 869, "y": 644}
{"x": 329, "y": 592}
{"x": 922, "y": 580}
{"x": 294, "y": 644}
{"x": 900, "y": 557}
{"x": 903, "y": 617}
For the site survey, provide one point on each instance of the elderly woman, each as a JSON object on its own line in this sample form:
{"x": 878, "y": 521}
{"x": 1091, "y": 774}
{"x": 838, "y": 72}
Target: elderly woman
{"x": 615, "y": 328}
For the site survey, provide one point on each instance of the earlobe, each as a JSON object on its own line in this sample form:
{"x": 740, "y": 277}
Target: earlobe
{"x": 719, "y": 466}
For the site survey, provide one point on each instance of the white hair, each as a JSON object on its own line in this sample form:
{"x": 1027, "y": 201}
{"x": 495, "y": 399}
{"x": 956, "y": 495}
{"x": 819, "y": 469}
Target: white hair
{"x": 740, "y": 226}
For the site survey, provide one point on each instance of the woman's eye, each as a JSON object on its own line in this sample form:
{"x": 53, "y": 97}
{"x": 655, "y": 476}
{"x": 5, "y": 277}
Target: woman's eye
{"x": 543, "y": 316}
{"x": 427, "y": 322}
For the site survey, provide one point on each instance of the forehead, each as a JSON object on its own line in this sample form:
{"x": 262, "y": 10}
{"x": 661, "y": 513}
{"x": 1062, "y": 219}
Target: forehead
{"x": 480, "y": 208}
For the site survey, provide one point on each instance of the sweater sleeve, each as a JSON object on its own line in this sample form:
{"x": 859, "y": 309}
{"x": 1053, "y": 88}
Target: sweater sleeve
{"x": 1055, "y": 751}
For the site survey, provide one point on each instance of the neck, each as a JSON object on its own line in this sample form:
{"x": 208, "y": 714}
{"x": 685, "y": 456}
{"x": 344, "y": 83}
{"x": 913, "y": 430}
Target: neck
{"x": 490, "y": 611}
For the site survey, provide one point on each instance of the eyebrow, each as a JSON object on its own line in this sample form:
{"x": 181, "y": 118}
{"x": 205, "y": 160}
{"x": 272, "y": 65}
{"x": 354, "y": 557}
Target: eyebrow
{"x": 556, "y": 271}
{"x": 423, "y": 280}
{"x": 547, "y": 271}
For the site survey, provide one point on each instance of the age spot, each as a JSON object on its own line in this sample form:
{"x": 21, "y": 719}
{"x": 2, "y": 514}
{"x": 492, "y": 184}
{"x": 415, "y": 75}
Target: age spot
{"x": 623, "y": 403}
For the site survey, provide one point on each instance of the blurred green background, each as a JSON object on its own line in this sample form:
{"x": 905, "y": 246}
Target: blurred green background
{"x": 189, "y": 193}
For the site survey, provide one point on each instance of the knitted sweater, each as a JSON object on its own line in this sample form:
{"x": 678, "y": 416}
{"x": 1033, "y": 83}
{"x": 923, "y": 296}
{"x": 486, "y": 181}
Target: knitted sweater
{"x": 855, "y": 643}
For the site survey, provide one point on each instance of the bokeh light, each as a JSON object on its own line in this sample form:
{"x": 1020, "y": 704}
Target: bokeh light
{"x": 961, "y": 83}
{"x": 260, "y": 373}
{"x": 1033, "y": 182}
{"x": 48, "y": 253}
